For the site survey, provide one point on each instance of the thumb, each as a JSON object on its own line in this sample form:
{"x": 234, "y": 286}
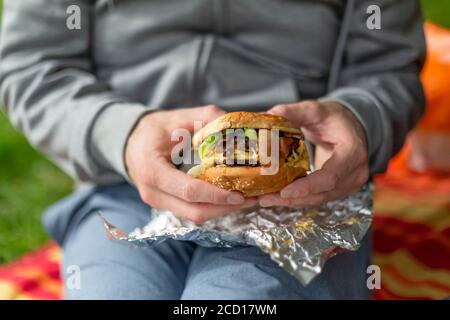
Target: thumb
{"x": 302, "y": 114}
{"x": 208, "y": 113}
{"x": 203, "y": 114}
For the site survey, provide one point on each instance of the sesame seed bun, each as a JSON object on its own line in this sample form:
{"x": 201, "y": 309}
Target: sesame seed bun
{"x": 249, "y": 180}
{"x": 253, "y": 120}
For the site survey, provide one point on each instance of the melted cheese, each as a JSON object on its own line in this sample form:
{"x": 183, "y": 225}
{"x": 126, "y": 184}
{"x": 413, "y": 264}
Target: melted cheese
{"x": 298, "y": 158}
{"x": 251, "y": 156}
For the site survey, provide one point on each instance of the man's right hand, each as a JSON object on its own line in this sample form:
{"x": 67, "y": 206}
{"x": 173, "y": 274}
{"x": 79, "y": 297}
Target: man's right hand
{"x": 160, "y": 184}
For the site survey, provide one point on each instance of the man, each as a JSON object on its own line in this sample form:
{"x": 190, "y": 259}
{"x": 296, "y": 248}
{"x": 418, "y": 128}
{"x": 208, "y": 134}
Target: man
{"x": 102, "y": 100}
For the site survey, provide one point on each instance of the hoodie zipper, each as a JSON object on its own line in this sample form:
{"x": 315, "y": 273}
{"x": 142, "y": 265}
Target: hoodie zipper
{"x": 221, "y": 16}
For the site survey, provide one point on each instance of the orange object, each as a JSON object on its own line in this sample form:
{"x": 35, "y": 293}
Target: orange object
{"x": 34, "y": 276}
{"x": 411, "y": 225}
{"x": 411, "y": 235}
{"x": 430, "y": 141}
{"x": 436, "y": 80}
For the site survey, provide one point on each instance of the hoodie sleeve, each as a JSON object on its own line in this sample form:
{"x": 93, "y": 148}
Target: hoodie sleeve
{"x": 50, "y": 92}
{"x": 380, "y": 77}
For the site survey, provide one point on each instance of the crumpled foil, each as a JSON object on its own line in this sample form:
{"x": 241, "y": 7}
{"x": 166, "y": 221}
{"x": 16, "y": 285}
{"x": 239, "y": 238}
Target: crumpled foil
{"x": 299, "y": 240}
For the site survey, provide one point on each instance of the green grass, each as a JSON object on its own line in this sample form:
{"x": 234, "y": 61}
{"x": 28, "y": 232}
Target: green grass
{"x": 29, "y": 183}
{"x": 437, "y": 11}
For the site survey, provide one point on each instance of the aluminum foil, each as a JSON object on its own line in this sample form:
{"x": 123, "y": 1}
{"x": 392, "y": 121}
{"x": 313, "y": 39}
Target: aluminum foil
{"x": 299, "y": 240}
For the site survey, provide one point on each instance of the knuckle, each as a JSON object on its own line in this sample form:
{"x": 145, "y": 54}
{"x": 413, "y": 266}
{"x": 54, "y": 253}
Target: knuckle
{"x": 149, "y": 179}
{"x": 189, "y": 192}
{"x": 216, "y": 197}
{"x": 318, "y": 200}
{"x": 279, "y": 108}
{"x": 332, "y": 182}
{"x": 196, "y": 217}
{"x": 212, "y": 109}
{"x": 363, "y": 157}
{"x": 304, "y": 190}
{"x": 364, "y": 176}
{"x": 320, "y": 111}
{"x": 315, "y": 110}
{"x": 148, "y": 197}
{"x": 311, "y": 103}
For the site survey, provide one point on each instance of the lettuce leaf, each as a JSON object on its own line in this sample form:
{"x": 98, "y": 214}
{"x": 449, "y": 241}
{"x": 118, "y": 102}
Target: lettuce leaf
{"x": 208, "y": 143}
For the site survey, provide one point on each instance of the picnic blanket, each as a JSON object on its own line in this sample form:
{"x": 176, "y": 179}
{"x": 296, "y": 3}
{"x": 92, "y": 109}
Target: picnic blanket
{"x": 411, "y": 232}
{"x": 412, "y": 209}
{"x": 34, "y": 276}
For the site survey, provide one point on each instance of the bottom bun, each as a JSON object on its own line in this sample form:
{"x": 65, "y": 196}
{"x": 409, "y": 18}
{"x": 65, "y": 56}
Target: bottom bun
{"x": 249, "y": 180}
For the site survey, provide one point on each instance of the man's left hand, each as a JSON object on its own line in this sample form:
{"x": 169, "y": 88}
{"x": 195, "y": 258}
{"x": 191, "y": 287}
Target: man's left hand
{"x": 341, "y": 154}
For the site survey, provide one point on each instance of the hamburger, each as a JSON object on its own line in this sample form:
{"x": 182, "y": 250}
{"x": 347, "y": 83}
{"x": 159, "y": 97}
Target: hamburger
{"x": 239, "y": 150}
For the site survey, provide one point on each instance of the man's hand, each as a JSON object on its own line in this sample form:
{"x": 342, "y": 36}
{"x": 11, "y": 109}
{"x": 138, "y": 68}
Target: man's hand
{"x": 341, "y": 154}
{"x": 160, "y": 184}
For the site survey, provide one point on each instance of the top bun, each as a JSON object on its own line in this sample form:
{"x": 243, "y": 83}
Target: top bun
{"x": 253, "y": 120}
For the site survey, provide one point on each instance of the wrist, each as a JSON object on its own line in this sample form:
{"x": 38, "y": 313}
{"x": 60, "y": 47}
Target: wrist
{"x": 133, "y": 139}
{"x": 109, "y": 135}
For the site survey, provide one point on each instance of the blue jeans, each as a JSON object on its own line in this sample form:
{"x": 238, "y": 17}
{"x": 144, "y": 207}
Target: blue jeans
{"x": 176, "y": 269}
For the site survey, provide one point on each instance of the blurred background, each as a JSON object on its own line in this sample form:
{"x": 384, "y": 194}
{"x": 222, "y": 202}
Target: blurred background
{"x": 29, "y": 182}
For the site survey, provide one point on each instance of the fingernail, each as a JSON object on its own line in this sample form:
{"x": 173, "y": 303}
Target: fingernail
{"x": 235, "y": 199}
{"x": 289, "y": 193}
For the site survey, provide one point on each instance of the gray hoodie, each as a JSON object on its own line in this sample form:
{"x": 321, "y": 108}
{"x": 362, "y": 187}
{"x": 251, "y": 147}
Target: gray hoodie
{"x": 76, "y": 94}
